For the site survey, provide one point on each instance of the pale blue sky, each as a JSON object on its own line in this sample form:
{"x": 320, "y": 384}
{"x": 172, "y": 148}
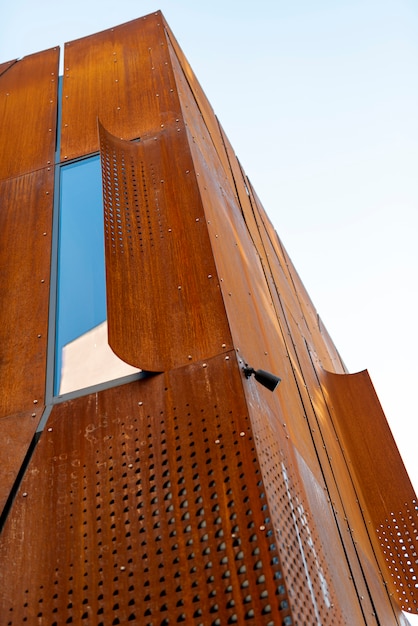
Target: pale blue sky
{"x": 319, "y": 99}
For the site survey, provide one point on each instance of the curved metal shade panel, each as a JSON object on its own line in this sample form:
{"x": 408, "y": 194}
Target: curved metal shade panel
{"x": 164, "y": 303}
{"x": 383, "y": 484}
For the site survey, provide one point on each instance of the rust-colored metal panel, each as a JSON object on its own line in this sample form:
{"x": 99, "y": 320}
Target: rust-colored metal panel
{"x": 121, "y": 76}
{"x": 164, "y": 303}
{"x": 152, "y": 510}
{"x": 6, "y": 66}
{"x": 16, "y": 434}
{"x": 261, "y": 294}
{"x": 387, "y": 494}
{"x": 28, "y": 110}
{"x": 25, "y": 251}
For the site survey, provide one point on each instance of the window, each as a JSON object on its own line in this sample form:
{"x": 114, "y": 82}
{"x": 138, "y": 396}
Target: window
{"x": 82, "y": 355}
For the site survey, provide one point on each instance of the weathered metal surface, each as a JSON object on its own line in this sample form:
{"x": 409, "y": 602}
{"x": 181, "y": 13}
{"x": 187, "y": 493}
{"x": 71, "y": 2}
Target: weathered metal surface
{"x": 16, "y": 434}
{"x": 196, "y": 496}
{"x": 6, "y": 66}
{"x": 121, "y": 76}
{"x": 383, "y": 485}
{"x": 164, "y": 303}
{"x": 28, "y": 110}
{"x": 273, "y": 323}
{"x": 152, "y": 510}
{"x": 25, "y": 251}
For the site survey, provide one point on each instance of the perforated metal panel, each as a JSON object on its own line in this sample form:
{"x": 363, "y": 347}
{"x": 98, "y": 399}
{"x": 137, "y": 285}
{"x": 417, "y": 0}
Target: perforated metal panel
{"x": 153, "y": 511}
{"x": 164, "y": 303}
{"x": 383, "y": 484}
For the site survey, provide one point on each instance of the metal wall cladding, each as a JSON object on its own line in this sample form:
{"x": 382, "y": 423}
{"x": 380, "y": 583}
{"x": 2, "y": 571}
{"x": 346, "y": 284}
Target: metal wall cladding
{"x": 164, "y": 303}
{"x": 28, "y": 108}
{"x": 153, "y": 510}
{"x": 275, "y": 327}
{"x": 387, "y": 496}
{"x": 28, "y": 111}
{"x": 121, "y": 76}
{"x": 25, "y": 252}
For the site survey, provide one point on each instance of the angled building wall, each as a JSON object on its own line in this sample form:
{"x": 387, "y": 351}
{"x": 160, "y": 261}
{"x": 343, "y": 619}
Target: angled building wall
{"x": 186, "y": 493}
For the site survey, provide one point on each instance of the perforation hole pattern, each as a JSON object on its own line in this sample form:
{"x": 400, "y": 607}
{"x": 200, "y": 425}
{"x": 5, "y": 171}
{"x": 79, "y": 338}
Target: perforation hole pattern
{"x": 131, "y": 196}
{"x": 163, "y": 522}
{"x": 311, "y": 593}
{"x": 398, "y": 536}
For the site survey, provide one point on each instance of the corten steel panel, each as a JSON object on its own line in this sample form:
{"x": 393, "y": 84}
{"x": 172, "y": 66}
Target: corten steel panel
{"x": 16, "y": 434}
{"x": 164, "y": 303}
{"x": 192, "y": 85}
{"x": 6, "y": 66}
{"x": 28, "y": 110}
{"x": 388, "y": 498}
{"x": 121, "y": 76}
{"x": 152, "y": 510}
{"x": 25, "y": 250}
{"x": 251, "y": 262}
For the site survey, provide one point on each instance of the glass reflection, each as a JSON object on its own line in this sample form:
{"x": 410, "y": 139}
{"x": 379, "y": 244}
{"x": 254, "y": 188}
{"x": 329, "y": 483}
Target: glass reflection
{"x": 83, "y": 357}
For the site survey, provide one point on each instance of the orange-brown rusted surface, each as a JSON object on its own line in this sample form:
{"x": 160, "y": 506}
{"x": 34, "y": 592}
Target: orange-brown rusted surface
{"x": 25, "y": 251}
{"x": 16, "y": 433}
{"x": 390, "y": 503}
{"x": 28, "y": 111}
{"x": 195, "y": 496}
{"x": 121, "y": 76}
{"x": 263, "y": 292}
{"x": 6, "y": 66}
{"x": 164, "y": 303}
{"x": 152, "y": 510}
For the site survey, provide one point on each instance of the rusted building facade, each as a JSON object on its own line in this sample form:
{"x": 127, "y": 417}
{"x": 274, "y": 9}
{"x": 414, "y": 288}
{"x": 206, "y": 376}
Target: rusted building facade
{"x": 166, "y": 485}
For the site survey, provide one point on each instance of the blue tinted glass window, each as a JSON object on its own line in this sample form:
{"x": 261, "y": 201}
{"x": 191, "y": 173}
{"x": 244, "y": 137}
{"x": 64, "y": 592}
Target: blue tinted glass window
{"x": 81, "y": 297}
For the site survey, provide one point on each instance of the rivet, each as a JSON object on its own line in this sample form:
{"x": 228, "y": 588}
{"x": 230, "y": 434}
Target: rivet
{"x": 47, "y": 193}
{"x": 169, "y": 230}
{"x": 44, "y": 234}
{"x": 157, "y": 95}
{"x": 50, "y": 429}
{"x": 35, "y": 402}
{"x": 209, "y": 275}
{"x": 197, "y": 219}
{"x": 179, "y": 287}
{"x": 122, "y": 568}
{"x": 227, "y": 358}
{"x": 24, "y": 494}
{"x": 33, "y": 414}
{"x": 217, "y": 441}
{"x": 242, "y": 434}
{"x": 204, "y": 364}
{"x": 130, "y": 465}
{"x": 190, "y": 357}
{"x": 39, "y": 336}
{"x": 161, "y": 125}
{"x": 262, "y": 527}
{"x": 187, "y": 171}
{"x": 224, "y": 345}
{"x": 140, "y": 403}
{"x": 118, "y": 108}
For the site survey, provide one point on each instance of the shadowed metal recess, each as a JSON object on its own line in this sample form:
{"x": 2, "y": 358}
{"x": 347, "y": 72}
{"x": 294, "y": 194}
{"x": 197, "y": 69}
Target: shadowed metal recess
{"x": 195, "y": 495}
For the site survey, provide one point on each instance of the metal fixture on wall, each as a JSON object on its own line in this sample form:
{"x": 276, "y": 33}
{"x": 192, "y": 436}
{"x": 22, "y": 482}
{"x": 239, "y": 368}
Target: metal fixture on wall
{"x": 267, "y": 379}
